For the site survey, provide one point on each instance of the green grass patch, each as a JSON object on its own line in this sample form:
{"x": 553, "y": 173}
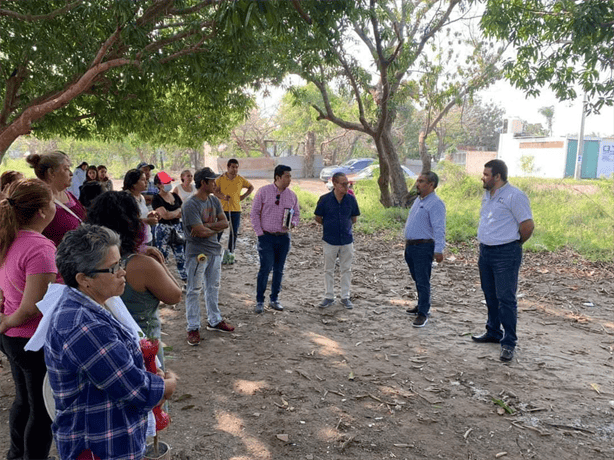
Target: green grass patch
{"x": 568, "y": 214}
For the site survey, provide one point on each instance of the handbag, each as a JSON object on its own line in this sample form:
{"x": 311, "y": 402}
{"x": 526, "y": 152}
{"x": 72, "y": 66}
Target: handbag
{"x": 175, "y": 238}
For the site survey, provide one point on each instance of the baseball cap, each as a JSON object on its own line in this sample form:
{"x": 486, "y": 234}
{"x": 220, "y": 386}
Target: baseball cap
{"x": 163, "y": 178}
{"x": 205, "y": 173}
{"x": 144, "y": 163}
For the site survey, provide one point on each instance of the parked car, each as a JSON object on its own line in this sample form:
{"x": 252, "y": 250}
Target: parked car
{"x": 349, "y": 167}
{"x": 367, "y": 173}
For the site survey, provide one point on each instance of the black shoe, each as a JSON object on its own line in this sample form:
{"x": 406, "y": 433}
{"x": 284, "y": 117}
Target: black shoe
{"x": 421, "y": 321}
{"x": 485, "y": 338}
{"x": 275, "y": 305}
{"x": 412, "y": 311}
{"x": 507, "y": 354}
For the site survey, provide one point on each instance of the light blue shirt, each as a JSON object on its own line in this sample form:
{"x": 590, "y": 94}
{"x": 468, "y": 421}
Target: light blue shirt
{"x": 502, "y": 214}
{"x": 427, "y": 221}
{"x": 78, "y": 177}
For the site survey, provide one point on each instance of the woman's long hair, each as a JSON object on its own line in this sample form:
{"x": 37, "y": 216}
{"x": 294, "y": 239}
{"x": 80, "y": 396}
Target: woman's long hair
{"x": 131, "y": 178}
{"x": 23, "y": 200}
{"x": 119, "y": 212}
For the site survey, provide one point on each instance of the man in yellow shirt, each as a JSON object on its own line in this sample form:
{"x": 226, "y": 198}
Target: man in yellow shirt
{"x": 229, "y": 188}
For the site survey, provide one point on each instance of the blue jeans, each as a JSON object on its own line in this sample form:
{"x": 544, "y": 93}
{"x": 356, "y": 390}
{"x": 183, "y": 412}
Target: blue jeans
{"x": 272, "y": 250}
{"x": 29, "y": 423}
{"x": 234, "y": 219}
{"x": 419, "y": 259}
{"x": 198, "y": 272}
{"x": 499, "y": 267}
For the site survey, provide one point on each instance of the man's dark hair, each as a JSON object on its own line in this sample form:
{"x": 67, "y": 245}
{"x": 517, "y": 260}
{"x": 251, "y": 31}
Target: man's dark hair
{"x": 432, "y": 178}
{"x": 280, "y": 170}
{"x": 498, "y": 167}
{"x": 336, "y": 176}
{"x": 232, "y": 161}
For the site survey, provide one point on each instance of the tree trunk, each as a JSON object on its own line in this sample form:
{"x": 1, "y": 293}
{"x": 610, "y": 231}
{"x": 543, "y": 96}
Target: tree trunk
{"x": 194, "y": 158}
{"x": 395, "y": 172}
{"x": 424, "y": 156}
{"x": 384, "y": 175}
{"x": 310, "y": 148}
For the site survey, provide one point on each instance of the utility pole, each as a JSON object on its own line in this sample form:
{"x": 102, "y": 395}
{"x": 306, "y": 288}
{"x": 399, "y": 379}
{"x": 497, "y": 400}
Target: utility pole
{"x": 580, "y": 150}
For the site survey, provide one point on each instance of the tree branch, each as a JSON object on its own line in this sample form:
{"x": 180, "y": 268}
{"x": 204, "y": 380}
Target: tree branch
{"x": 12, "y": 88}
{"x": 40, "y": 17}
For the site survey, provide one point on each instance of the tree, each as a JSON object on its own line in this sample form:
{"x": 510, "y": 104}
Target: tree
{"x": 472, "y": 124}
{"x": 559, "y": 44}
{"x": 295, "y": 119}
{"x": 548, "y": 112}
{"x": 395, "y": 35}
{"x": 108, "y": 67}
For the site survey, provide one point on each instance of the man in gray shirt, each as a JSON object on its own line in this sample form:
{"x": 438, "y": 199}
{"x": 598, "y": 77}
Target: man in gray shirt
{"x": 506, "y": 223}
{"x": 203, "y": 217}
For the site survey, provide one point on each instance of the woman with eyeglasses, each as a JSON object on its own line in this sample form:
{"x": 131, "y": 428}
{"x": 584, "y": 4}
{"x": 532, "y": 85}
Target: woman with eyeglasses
{"x": 148, "y": 282}
{"x": 27, "y": 266}
{"x": 101, "y": 388}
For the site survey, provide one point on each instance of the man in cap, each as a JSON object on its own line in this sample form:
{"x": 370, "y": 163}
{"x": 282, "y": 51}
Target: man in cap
{"x": 151, "y": 188}
{"x": 203, "y": 217}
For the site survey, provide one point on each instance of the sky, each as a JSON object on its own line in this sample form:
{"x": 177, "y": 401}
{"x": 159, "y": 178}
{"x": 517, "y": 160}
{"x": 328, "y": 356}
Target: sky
{"x": 567, "y": 115}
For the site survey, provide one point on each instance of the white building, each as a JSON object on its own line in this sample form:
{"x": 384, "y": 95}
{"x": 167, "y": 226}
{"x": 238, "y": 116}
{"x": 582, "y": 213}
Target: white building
{"x": 553, "y": 157}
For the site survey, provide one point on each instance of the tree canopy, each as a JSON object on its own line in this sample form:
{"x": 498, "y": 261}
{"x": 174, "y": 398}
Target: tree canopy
{"x": 559, "y": 44}
{"x": 166, "y": 69}
{"x": 385, "y": 53}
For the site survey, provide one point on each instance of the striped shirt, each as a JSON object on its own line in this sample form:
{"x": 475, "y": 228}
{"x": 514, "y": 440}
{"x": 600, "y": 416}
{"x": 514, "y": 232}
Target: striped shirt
{"x": 268, "y": 209}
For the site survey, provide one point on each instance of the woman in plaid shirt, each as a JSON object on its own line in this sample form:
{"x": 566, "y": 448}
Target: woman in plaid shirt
{"x": 101, "y": 389}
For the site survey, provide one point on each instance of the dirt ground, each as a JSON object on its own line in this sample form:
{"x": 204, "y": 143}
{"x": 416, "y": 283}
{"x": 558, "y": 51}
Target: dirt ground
{"x": 364, "y": 384}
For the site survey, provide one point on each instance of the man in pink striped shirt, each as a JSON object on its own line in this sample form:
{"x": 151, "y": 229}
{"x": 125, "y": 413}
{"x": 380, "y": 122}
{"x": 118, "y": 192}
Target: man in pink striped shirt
{"x": 275, "y": 211}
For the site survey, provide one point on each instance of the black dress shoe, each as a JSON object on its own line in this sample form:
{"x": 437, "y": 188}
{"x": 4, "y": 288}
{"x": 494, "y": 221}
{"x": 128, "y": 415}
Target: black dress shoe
{"x": 507, "y": 354}
{"x": 485, "y": 338}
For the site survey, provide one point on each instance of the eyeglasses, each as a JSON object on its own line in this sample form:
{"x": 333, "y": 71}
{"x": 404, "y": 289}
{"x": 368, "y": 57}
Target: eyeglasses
{"x": 113, "y": 269}
{"x": 344, "y": 184}
{"x": 277, "y": 198}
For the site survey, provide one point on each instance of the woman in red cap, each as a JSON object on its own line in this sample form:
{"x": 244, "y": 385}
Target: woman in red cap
{"x": 169, "y": 230}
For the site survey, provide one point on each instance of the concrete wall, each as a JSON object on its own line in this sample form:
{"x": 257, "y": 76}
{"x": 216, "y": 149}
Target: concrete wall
{"x": 549, "y": 155}
{"x": 262, "y": 168}
{"x": 475, "y": 159}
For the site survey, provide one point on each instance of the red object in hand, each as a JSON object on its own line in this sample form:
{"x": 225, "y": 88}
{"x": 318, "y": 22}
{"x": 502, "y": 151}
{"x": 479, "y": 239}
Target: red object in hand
{"x": 149, "y": 347}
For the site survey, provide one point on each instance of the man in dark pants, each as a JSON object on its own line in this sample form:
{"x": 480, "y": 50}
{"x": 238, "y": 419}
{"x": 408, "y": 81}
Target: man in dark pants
{"x": 274, "y": 212}
{"x": 230, "y": 184}
{"x": 506, "y": 223}
{"x": 425, "y": 238}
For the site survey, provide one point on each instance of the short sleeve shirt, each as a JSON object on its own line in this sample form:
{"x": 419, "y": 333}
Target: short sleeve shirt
{"x": 159, "y": 202}
{"x": 502, "y": 214}
{"x": 30, "y": 254}
{"x": 337, "y": 218}
{"x": 197, "y": 212}
{"x": 233, "y": 189}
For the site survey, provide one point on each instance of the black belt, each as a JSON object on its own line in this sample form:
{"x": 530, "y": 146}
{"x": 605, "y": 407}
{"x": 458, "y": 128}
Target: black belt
{"x": 416, "y": 242}
{"x": 276, "y": 233}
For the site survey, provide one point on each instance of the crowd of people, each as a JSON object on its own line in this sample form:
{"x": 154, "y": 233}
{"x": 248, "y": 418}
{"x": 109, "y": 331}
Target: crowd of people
{"x": 98, "y": 265}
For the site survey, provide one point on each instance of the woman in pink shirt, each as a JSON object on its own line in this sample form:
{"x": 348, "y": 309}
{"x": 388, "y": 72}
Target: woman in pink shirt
{"x": 27, "y": 266}
{"x": 54, "y": 169}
